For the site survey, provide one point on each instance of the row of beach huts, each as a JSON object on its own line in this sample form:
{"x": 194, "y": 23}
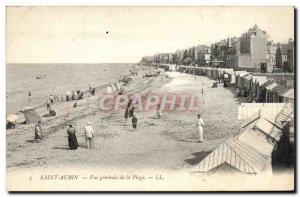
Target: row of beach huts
{"x": 258, "y": 87}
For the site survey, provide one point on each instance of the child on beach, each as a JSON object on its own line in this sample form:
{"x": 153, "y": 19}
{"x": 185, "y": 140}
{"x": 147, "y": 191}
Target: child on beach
{"x": 158, "y": 112}
{"x": 134, "y": 122}
{"x": 48, "y": 105}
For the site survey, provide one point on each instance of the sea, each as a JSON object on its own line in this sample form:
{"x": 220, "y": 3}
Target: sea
{"x": 59, "y": 78}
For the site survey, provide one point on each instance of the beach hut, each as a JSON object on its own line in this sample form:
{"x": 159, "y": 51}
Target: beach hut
{"x": 246, "y": 110}
{"x": 214, "y": 73}
{"x": 116, "y": 86}
{"x": 198, "y": 71}
{"x": 287, "y": 95}
{"x": 205, "y": 69}
{"x": 31, "y": 115}
{"x": 262, "y": 92}
{"x": 209, "y": 72}
{"x": 231, "y": 76}
{"x": 110, "y": 89}
{"x": 224, "y": 154}
{"x": 276, "y": 93}
{"x": 270, "y": 93}
{"x": 248, "y": 80}
{"x": 238, "y": 76}
{"x": 242, "y": 81}
{"x": 12, "y": 118}
{"x": 11, "y": 121}
{"x": 255, "y": 86}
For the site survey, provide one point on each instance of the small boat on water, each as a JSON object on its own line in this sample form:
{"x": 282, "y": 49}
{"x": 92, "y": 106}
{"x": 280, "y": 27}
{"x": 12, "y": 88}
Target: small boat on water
{"x": 41, "y": 76}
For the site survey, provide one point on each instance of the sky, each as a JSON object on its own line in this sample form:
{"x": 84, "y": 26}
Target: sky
{"x": 126, "y": 34}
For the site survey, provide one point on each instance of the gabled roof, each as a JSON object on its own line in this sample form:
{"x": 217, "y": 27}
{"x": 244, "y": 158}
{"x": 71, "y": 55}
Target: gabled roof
{"x": 247, "y": 77}
{"x": 270, "y": 129}
{"x": 247, "y": 110}
{"x": 272, "y": 86}
{"x": 260, "y": 79}
{"x": 225, "y": 169}
{"x": 288, "y": 93}
{"x": 224, "y": 154}
{"x": 279, "y": 88}
{"x": 241, "y": 74}
{"x": 286, "y": 114}
{"x": 266, "y": 83}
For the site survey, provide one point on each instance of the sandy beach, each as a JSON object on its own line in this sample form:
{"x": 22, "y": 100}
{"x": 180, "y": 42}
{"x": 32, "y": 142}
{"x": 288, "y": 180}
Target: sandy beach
{"x": 117, "y": 145}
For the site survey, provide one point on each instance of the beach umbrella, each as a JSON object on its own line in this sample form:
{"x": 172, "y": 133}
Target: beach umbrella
{"x": 12, "y": 118}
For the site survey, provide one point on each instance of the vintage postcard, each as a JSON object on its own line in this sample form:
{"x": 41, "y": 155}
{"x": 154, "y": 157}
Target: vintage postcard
{"x": 150, "y": 98}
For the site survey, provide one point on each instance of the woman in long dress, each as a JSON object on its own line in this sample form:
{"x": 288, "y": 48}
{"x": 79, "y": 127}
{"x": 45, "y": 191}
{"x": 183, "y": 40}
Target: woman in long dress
{"x": 73, "y": 144}
{"x": 127, "y": 110}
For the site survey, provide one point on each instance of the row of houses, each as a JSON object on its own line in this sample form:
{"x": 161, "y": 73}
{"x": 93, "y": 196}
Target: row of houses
{"x": 251, "y": 51}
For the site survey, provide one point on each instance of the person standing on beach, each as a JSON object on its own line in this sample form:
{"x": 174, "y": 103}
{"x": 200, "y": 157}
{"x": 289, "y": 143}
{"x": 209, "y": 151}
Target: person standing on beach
{"x": 90, "y": 88}
{"x": 158, "y": 112}
{"x": 73, "y": 96}
{"x": 38, "y": 132}
{"x": 134, "y": 122}
{"x": 89, "y": 135}
{"x": 127, "y": 110}
{"x": 51, "y": 98}
{"x": 131, "y": 112}
{"x": 72, "y": 139}
{"x": 29, "y": 94}
{"x": 48, "y": 105}
{"x": 200, "y": 123}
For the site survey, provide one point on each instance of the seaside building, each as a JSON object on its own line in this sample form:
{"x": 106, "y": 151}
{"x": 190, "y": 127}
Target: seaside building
{"x": 179, "y": 56}
{"x": 202, "y": 54}
{"x": 148, "y": 59}
{"x": 249, "y": 52}
{"x": 218, "y": 53}
{"x": 290, "y": 56}
{"x": 271, "y": 56}
{"x": 281, "y": 57}
{"x": 232, "y": 53}
{"x": 253, "y": 50}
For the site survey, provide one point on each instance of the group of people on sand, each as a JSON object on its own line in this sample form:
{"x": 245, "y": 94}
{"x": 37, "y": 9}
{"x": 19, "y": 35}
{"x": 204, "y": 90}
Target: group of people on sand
{"x": 92, "y": 90}
{"x": 72, "y": 138}
{"x": 77, "y": 95}
{"x": 129, "y": 113}
{"x": 88, "y": 133}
